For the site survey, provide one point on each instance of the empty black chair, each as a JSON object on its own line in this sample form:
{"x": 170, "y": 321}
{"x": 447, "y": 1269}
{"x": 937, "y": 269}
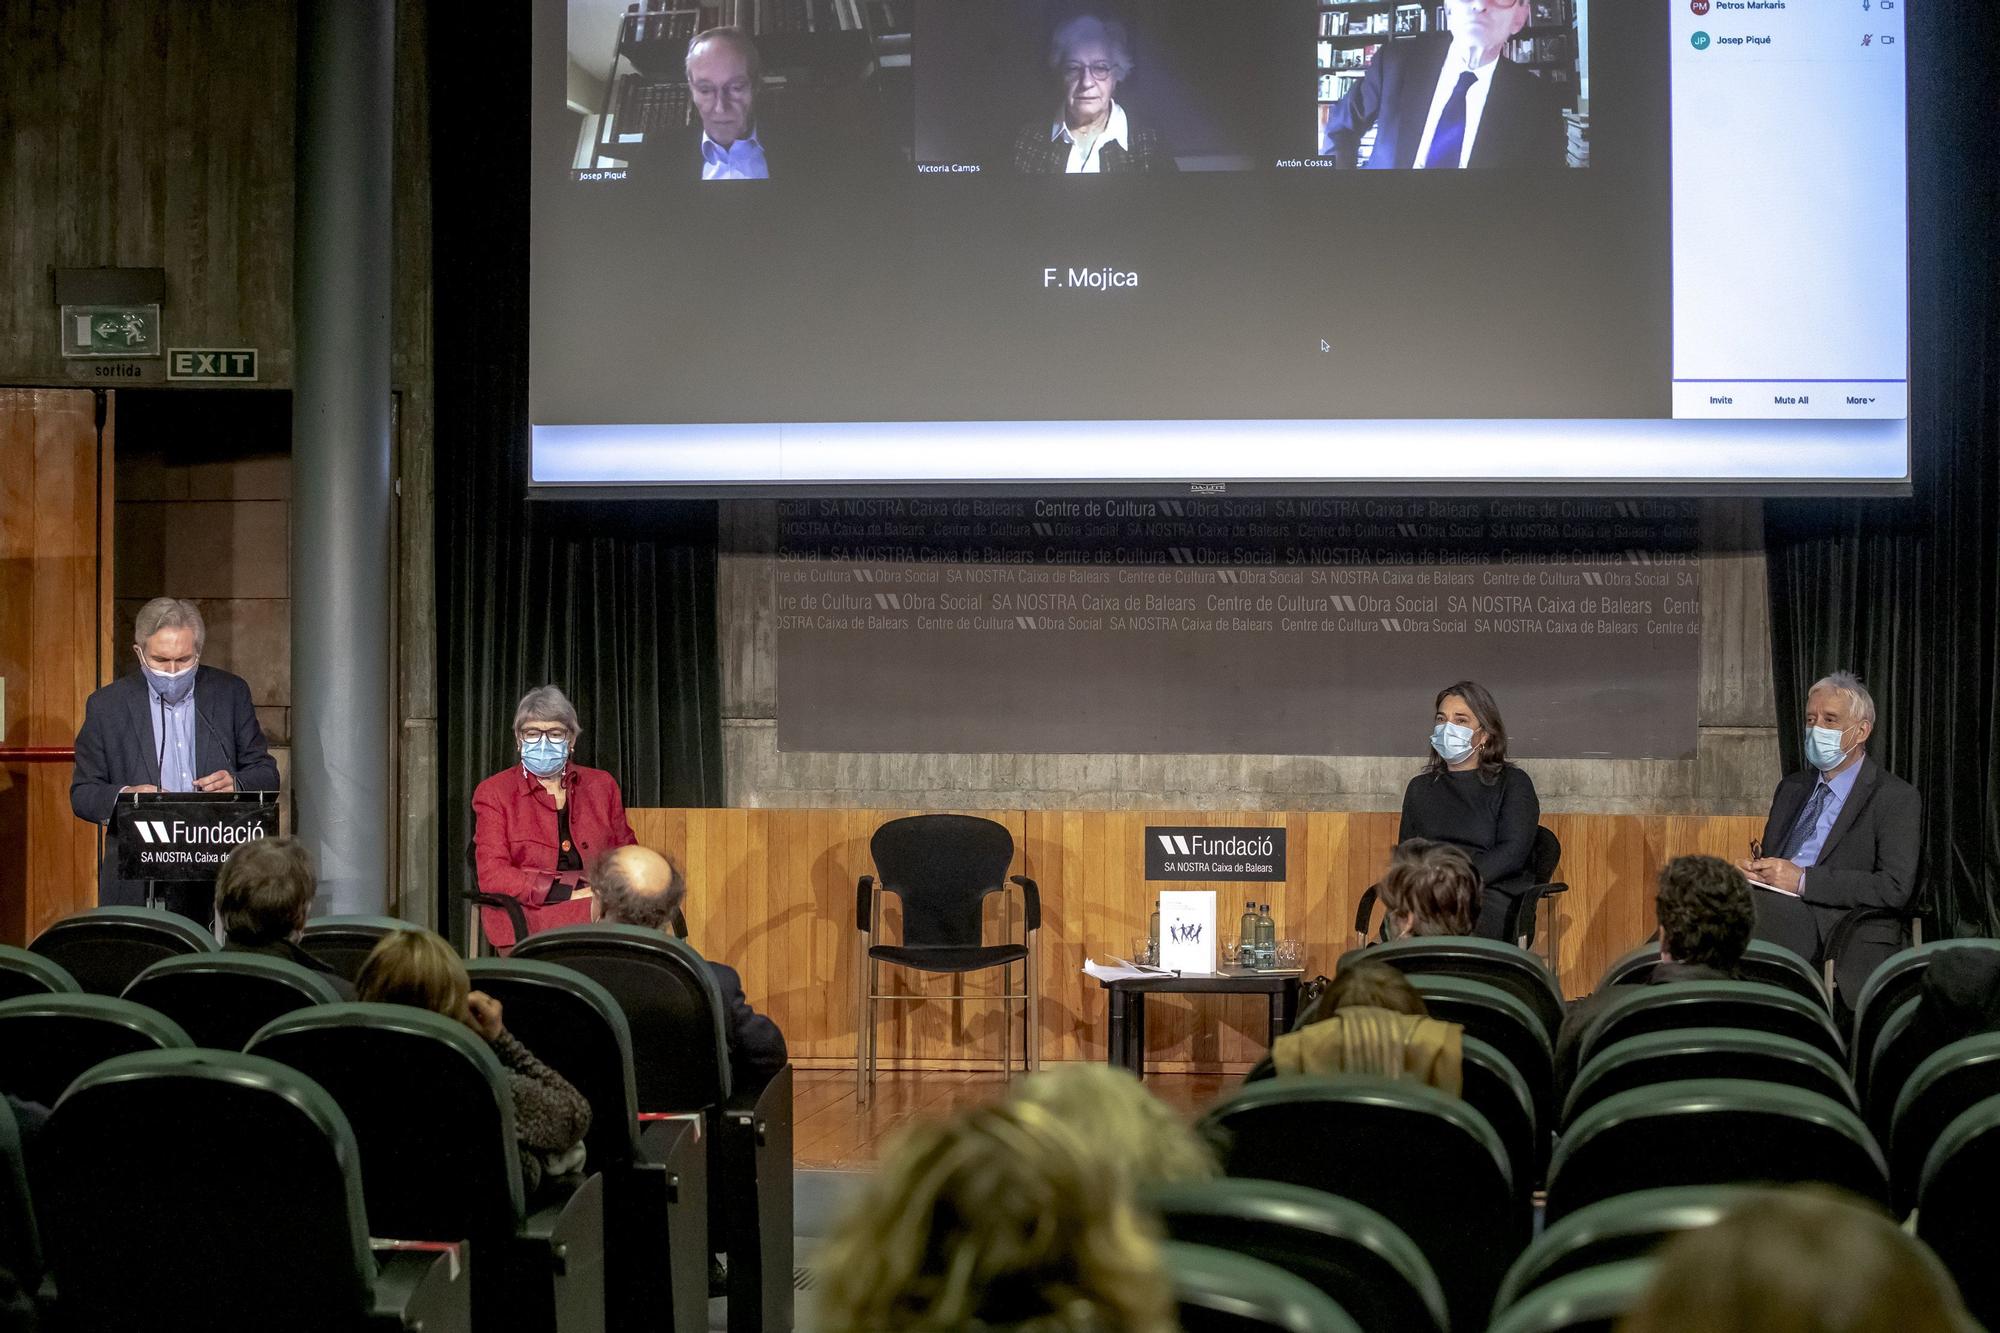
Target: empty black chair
{"x": 105, "y": 947}
{"x": 1591, "y": 1301}
{"x": 1944, "y": 1087}
{"x": 222, "y": 1192}
{"x": 343, "y": 943}
{"x": 1630, "y": 1226}
{"x": 680, "y": 1058}
{"x": 1426, "y": 1161}
{"x": 1675, "y": 1054}
{"x": 942, "y": 867}
{"x": 1712, "y": 1132}
{"x": 1495, "y": 962}
{"x": 1708, "y": 1004}
{"x": 1761, "y": 961}
{"x": 1353, "y": 1254}
{"x": 20, "y": 1234}
{"x": 655, "y": 1211}
{"x": 1222, "y": 1292}
{"x": 432, "y": 1112}
{"x": 23, "y": 972}
{"x": 1491, "y": 1085}
{"x": 1504, "y": 1022}
{"x": 46, "y": 1041}
{"x": 1955, "y": 1206}
{"x": 221, "y": 999}
{"x": 1893, "y": 984}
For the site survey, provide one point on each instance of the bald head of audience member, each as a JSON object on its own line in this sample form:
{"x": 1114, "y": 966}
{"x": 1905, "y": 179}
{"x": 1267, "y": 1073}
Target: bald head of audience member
{"x": 637, "y": 886}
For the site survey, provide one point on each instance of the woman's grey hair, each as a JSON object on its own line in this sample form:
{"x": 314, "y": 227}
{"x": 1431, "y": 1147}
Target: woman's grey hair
{"x": 168, "y": 613}
{"x": 1089, "y": 27}
{"x": 1849, "y": 684}
{"x": 546, "y": 703}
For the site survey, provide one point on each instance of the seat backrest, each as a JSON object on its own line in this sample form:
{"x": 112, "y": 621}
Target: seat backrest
{"x": 1493, "y": 1087}
{"x": 1495, "y": 962}
{"x": 343, "y": 943}
{"x": 430, "y": 1107}
{"x": 1352, "y": 1253}
{"x": 1674, "y": 1054}
{"x": 1961, "y": 1176}
{"x": 221, "y": 999}
{"x": 575, "y": 1027}
{"x": 105, "y": 947}
{"x": 1594, "y": 1300}
{"x": 1630, "y": 1226}
{"x": 1762, "y": 961}
{"x": 680, "y": 1051}
{"x": 207, "y": 1190}
{"x": 1222, "y": 1292}
{"x": 1448, "y": 1185}
{"x": 1712, "y": 1132}
{"x": 1945, "y": 1086}
{"x": 942, "y": 867}
{"x": 1710, "y": 1004}
{"x": 1900, "y": 1046}
{"x": 1545, "y": 856}
{"x": 20, "y": 1235}
{"x": 1502, "y": 1021}
{"x": 46, "y": 1041}
{"x": 24, "y": 972}
{"x": 1898, "y": 980}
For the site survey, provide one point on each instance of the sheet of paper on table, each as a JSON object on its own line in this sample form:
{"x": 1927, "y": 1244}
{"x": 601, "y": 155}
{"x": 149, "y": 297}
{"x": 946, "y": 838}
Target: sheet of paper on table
{"x": 1114, "y": 968}
{"x": 1760, "y": 884}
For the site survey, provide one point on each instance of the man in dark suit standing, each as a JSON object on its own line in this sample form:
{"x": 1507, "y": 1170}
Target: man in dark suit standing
{"x": 1451, "y": 100}
{"x": 174, "y": 725}
{"x": 1843, "y": 833}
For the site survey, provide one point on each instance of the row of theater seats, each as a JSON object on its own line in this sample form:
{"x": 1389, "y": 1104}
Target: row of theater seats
{"x": 201, "y": 1094}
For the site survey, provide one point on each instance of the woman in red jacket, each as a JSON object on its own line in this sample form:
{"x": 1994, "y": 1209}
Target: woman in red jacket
{"x": 539, "y": 823}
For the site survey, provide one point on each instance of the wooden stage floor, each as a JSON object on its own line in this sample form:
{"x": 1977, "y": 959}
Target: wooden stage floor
{"x": 829, "y": 1131}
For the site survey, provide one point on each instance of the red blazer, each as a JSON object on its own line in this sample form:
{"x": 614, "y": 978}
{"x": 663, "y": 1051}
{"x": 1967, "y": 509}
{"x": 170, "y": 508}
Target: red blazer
{"x": 514, "y": 843}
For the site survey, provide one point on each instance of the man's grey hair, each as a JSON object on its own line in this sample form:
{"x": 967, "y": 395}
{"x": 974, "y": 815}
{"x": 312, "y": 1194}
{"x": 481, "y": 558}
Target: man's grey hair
{"x": 728, "y": 36}
{"x": 624, "y": 906}
{"x": 1089, "y": 27}
{"x": 546, "y": 703}
{"x": 168, "y": 613}
{"x": 1849, "y": 684}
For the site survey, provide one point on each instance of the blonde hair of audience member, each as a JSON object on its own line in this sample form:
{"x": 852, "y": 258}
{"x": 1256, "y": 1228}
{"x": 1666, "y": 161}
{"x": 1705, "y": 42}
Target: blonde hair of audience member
{"x": 417, "y": 968}
{"x": 1800, "y": 1261}
{"x": 1431, "y": 889}
{"x": 1003, "y": 1218}
{"x": 1371, "y": 1020}
{"x": 1149, "y": 1143}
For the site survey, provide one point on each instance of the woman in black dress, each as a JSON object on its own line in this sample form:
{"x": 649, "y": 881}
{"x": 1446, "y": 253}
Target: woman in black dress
{"x": 1470, "y": 796}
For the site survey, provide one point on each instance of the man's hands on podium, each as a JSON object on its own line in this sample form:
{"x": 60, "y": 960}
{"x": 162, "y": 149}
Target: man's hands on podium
{"x": 220, "y": 780}
{"x": 1774, "y": 871}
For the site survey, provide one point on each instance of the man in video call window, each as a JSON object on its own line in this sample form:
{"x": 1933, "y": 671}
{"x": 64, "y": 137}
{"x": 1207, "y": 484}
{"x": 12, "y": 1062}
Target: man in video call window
{"x": 723, "y": 70}
{"x": 1451, "y": 99}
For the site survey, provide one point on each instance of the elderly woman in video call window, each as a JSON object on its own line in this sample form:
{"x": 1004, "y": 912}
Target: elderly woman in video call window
{"x": 1091, "y": 132}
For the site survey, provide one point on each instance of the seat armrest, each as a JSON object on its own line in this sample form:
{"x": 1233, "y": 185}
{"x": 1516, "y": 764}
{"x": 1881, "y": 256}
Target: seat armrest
{"x": 756, "y": 1153}
{"x": 516, "y": 918}
{"x": 422, "y": 1284}
{"x": 1031, "y": 894}
{"x": 864, "y": 893}
{"x": 566, "y": 1239}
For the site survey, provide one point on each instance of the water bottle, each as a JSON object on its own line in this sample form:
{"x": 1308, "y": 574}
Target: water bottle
{"x": 1152, "y": 958}
{"x": 1246, "y": 937}
{"x": 1267, "y": 938}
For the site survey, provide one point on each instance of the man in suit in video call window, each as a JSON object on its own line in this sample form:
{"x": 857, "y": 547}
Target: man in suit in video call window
{"x": 723, "y": 73}
{"x": 1451, "y": 99}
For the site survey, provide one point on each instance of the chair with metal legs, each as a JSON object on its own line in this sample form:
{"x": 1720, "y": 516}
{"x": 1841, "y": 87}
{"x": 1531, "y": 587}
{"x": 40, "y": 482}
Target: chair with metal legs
{"x": 942, "y": 868}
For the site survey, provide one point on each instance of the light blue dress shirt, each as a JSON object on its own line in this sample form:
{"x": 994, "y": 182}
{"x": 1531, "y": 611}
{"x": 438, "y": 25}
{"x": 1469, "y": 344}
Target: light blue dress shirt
{"x": 741, "y": 161}
{"x": 1839, "y": 788}
{"x": 173, "y": 740}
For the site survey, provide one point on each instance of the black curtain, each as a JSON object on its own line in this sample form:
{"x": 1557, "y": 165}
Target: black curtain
{"x": 612, "y": 601}
{"x": 1907, "y": 593}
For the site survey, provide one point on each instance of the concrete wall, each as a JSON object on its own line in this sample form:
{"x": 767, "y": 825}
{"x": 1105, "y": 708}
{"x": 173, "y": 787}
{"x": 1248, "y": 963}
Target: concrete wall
{"x": 1735, "y": 766}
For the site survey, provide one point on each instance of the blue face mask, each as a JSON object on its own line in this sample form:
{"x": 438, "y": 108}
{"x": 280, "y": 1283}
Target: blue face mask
{"x": 1823, "y": 750}
{"x": 172, "y": 686}
{"x": 545, "y": 755}
{"x": 1451, "y": 741}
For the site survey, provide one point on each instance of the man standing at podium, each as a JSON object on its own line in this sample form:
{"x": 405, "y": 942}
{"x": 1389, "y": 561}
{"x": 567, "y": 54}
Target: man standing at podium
{"x": 174, "y": 725}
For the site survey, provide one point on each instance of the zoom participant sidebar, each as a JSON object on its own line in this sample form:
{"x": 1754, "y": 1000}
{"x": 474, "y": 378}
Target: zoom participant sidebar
{"x": 1790, "y": 225}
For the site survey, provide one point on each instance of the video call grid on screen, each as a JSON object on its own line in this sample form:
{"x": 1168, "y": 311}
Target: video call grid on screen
{"x": 937, "y": 243}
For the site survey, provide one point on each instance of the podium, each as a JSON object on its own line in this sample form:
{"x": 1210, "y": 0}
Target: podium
{"x": 181, "y": 837}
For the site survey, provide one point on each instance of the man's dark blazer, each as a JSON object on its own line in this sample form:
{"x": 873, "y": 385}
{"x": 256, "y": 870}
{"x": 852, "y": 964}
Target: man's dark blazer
{"x": 1869, "y": 860}
{"x": 1520, "y": 127}
{"x": 292, "y": 953}
{"x": 756, "y": 1046}
{"x": 116, "y": 749}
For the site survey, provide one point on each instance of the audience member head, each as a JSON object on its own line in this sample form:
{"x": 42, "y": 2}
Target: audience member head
{"x": 1431, "y": 889}
{"x": 637, "y": 886}
{"x": 1371, "y": 986}
{"x": 1799, "y": 1261}
{"x": 1148, "y": 1142}
{"x": 1371, "y": 1020}
{"x": 1958, "y": 997}
{"x": 265, "y": 891}
{"x": 417, "y": 968}
{"x": 1705, "y": 912}
{"x": 1004, "y": 1218}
